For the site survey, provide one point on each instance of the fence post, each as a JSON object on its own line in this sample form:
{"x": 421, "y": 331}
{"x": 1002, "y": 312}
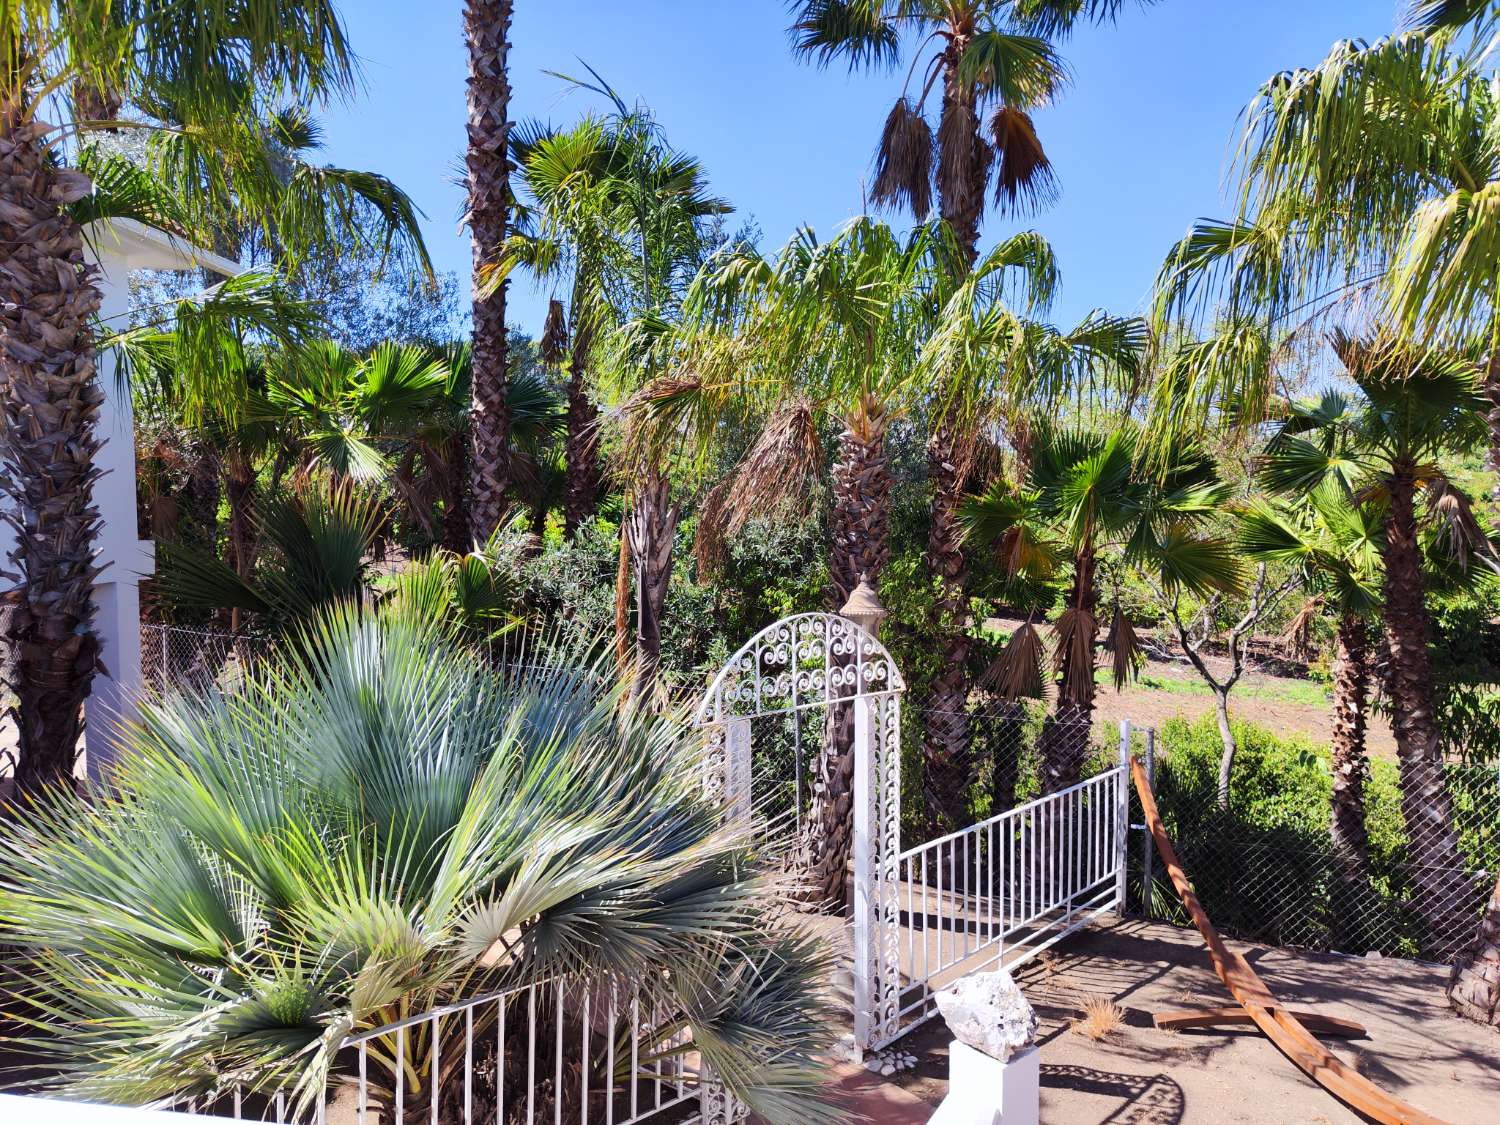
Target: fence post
{"x": 1148, "y": 845}
{"x": 865, "y": 822}
{"x": 1122, "y": 815}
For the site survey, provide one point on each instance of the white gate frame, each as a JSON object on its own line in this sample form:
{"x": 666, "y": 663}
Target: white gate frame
{"x": 816, "y": 660}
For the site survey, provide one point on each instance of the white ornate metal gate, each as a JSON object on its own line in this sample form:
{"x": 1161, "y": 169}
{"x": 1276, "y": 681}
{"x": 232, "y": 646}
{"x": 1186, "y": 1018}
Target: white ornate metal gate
{"x": 794, "y": 670}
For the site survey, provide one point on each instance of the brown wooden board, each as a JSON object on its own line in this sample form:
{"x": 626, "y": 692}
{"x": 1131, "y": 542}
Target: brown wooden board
{"x": 1279, "y": 1025}
{"x": 1237, "y": 1017}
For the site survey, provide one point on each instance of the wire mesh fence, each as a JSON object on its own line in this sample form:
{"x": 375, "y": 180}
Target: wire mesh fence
{"x": 177, "y": 657}
{"x": 1267, "y": 871}
{"x": 1266, "y": 867}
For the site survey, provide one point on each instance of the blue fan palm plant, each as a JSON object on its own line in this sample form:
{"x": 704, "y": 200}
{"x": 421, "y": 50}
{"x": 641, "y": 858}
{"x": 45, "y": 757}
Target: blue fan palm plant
{"x": 375, "y": 824}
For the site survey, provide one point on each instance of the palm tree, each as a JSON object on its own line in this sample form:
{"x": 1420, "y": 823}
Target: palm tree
{"x": 376, "y": 824}
{"x": 659, "y": 217}
{"x": 487, "y": 35}
{"x": 571, "y": 177}
{"x": 1415, "y": 406}
{"x": 211, "y": 72}
{"x": 1334, "y": 540}
{"x": 1364, "y": 181}
{"x": 986, "y": 54}
{"x": 1088, "y": 494}
{"x": 827, "y": 331}
{"x": 992, "y": 364}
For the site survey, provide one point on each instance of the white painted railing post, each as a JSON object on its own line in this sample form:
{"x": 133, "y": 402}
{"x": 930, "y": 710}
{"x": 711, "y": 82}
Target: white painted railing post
{"x": 866, "y": 823}
{"x": 1122, "y": 815}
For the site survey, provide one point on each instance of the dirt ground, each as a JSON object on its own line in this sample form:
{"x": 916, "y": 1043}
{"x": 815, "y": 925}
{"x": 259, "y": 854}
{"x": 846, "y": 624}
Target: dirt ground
{"x": 1416, "y": 1049}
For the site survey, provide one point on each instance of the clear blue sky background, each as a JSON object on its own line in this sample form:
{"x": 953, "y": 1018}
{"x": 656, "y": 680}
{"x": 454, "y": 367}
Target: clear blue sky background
{"x": 1140, "y": 140}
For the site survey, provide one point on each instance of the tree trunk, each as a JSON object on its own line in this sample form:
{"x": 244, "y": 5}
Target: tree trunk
{"x": 622, "y": 599}
{"x": 861, "y": 527}
{"x": 581, "y": 444}
{"x": 1474, "y": 988}
{"x": 487, "y": 29}
{"x": 456, "y": 536}
{"x": 653, "y": 528}
{"x": 946, "y": 757}
{"x": 861, "y": 503}
{"x": 963, "y": 168}
{"x": 964, "y": 159}
{"x": 1444, "y": 897}
{"x": 1066, "y": 733}
{"x": 1228, "y": 744}
{"x": 239, "y": 490}
{"x": 50, "y": 398}
{"x": 1492, "y": 393}
{"x": 1351, "y": 768}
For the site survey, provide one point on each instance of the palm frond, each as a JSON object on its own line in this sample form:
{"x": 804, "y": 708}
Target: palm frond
{"x": 903, "y": 161}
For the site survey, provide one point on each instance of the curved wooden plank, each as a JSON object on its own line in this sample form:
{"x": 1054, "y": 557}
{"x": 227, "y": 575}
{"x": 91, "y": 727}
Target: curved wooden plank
{"x": 1237, "y": 1017}
{"x": 1280, "y": 1026}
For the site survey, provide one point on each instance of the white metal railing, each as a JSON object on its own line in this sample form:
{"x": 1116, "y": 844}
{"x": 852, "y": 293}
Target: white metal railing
{"x": 547, "y": 1052}
{"x": 1004, "y": 889}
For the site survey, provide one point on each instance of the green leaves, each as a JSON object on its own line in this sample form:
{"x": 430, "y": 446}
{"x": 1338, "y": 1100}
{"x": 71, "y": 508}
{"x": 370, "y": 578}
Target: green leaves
{"x": 860, "y": 30}
{"x": 375, "y": 824}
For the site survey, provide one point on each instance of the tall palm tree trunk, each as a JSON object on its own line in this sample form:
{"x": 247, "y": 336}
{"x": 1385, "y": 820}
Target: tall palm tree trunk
{"x": 50, "y": 398}
{"x": 239, "y": 490}
{"x": 487, "y": 30}
{"x": 861, "y": 502}
{"x": 963, "y": 168}
{"x": 1066, "y": 732}
{"x": 1474, "y": 988}
{"x": 946, "y": 752}
{"x": 1352, "y": 893}
{"x": 1351, "y": 767}
{"x": 581, "y": 442}
{"x": 1492, "y": 393}
{"x": 1444, "y": 898}
{"x": 861, "y": 548}
{"x": 653, "y": 528}
{"x": 455, "y": 457}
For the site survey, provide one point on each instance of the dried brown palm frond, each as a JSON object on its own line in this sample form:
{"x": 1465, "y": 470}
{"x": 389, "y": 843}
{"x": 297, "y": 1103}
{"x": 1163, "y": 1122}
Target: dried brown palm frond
{"x": 1016, "y": 673}
{"x": 1125, "y": 649}
{"x": 1073, "y": 640}
{"x": 710, "y": 544}
{"x": 1296, "y": 641}
{"x": 903, "y": 162}
{"x": 1025, "y": 180}
{"x": 965, "y": 160}
{"x": 554, "y": 342}
{"x": 1451, "y": 513}
{"x": 783, "y": 464}
{"x": 988, "y": 464}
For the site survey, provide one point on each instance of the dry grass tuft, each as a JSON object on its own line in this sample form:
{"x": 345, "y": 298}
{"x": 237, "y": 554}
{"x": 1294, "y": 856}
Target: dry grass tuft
{"x": 1101, "y": 1018}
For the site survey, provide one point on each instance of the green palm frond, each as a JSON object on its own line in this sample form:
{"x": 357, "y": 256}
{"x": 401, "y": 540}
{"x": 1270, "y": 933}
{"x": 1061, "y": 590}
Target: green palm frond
{"x": 1020, "y": 71}
{"x": 859, "y": 30}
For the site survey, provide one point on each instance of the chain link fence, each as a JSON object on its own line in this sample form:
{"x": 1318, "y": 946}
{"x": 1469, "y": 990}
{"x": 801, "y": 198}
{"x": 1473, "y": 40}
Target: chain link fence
{"x": 177, "y": 657}
{"x": 1266, "y": 869}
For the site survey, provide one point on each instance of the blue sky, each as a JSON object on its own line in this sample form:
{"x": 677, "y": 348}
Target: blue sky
{"x": 1140, "y": 140}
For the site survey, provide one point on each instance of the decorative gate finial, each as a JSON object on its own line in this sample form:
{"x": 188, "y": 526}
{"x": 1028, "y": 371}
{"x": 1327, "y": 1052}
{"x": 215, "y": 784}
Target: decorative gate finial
{"x": 864, "y": 608}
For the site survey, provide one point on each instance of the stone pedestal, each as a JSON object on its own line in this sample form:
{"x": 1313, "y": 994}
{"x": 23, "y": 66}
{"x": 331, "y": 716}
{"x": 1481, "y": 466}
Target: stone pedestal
{"x": 986, "y": 1091}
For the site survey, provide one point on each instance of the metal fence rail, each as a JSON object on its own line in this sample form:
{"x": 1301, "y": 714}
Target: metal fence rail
{"x": 554, "y": 1051}
{"x": 1006, "y": 888}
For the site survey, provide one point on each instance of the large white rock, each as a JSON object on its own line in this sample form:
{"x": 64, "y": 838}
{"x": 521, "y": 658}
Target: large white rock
{"x": 987, "y": 1011}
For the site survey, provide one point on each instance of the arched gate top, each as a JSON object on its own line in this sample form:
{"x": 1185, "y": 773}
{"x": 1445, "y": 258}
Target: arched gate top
{"x": 807, "y": 660}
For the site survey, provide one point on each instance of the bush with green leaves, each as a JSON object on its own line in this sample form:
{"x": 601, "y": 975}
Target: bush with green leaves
{"x": 376, "y": 823}
{"x": 1266, "y": 869}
